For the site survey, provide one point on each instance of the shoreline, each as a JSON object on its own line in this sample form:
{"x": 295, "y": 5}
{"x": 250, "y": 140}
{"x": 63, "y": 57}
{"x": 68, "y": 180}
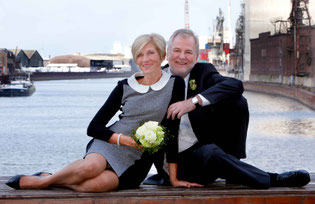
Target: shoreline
{"x": 46, "y": 76}
{"x": 303, "y": 96}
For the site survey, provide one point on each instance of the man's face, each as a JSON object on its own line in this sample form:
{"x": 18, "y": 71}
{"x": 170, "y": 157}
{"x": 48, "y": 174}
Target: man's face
{"x": 181, "y": 55}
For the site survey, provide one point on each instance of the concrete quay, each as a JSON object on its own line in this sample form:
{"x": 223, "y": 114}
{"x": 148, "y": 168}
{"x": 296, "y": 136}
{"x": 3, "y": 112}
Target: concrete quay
{"x": 218, "y": 192}
{"x": 299, "y": 94}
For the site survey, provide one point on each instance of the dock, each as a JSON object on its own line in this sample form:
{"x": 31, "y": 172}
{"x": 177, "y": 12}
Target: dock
{"x": 218, "y": 192}
{"x": 44, "y": 76}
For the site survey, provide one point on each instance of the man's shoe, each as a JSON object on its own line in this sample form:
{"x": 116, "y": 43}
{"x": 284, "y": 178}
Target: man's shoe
{"x": 297, "y": 178}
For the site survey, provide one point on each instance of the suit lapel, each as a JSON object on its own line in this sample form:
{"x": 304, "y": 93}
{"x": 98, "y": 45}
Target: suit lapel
{"x": 193, "y": 76}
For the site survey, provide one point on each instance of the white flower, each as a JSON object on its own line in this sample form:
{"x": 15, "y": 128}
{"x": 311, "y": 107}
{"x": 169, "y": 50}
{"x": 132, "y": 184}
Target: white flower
{"x": 150, "y": 134}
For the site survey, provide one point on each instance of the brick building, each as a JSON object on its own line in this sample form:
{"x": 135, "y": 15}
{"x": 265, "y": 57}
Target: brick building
{"x": 272, "y": 58}
{"x": 7, "y": 61}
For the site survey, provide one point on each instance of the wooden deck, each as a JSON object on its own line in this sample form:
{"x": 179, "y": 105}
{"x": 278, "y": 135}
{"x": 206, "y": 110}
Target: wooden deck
{"x": 218, "y": 192}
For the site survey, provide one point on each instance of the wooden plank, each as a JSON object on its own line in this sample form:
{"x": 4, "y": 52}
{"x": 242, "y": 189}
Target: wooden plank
{"x": 217, "y": 192}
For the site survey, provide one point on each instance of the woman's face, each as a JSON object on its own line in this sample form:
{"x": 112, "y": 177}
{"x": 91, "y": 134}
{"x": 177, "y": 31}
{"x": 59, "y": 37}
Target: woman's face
{"x": 148, "y": 59}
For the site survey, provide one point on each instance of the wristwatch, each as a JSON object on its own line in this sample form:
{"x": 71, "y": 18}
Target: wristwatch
{"x": 195, "y": 101}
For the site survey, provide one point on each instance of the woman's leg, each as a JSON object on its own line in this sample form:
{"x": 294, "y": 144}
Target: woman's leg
{"x": 104, "y": 182}
{"x": 75, "y": 173}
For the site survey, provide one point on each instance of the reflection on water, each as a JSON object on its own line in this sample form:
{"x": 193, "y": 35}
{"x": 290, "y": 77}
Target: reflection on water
{"x": 300, "y": 127}
{"x": 305, "y": 127}
{"x": 281, "y": 134}
{"x": 46, "y": 131}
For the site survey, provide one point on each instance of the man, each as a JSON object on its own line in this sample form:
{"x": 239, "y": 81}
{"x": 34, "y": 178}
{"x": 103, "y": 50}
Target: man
{"x": 214, "y": 121}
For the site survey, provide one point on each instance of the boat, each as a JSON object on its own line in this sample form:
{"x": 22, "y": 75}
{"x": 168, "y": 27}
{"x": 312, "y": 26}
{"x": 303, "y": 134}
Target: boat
{"x": 16, "y": 86}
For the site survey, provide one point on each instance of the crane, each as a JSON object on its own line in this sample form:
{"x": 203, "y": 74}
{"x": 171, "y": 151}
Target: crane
{"x": 186, "y": 15}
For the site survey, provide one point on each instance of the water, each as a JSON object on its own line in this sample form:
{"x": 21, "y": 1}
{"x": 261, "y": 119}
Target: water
{"x": 46, "y": 131}
{"x": 281, "y": 134}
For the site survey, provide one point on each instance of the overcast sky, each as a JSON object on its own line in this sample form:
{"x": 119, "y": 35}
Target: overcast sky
{"x": 59, "y": 27}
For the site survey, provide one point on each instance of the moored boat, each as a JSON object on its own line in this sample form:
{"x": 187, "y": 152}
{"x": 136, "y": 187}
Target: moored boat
{"x": 17, "y": 86}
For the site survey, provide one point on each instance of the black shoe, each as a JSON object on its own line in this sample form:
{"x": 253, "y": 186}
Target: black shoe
{"x": 14, "y": 182}
{"x": 297, "y": 178}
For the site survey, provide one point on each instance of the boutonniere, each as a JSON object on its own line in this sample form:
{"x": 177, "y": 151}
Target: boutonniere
{"x": 192, "y": 84}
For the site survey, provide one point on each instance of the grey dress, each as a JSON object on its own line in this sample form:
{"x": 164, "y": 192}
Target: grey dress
{"x": 138, "y": 103}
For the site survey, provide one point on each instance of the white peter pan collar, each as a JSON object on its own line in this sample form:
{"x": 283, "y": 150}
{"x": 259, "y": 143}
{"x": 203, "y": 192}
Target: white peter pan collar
{"x": 133, "y": 83}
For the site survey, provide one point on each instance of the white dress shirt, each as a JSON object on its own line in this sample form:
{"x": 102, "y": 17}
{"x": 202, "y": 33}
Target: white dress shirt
{"x": 186, "y": 135}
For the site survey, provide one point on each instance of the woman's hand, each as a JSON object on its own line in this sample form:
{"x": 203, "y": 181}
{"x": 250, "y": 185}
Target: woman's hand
{"x": 128, "y": 141}
{"x": 123, "y": 140}
{"x": 180, "y": 183}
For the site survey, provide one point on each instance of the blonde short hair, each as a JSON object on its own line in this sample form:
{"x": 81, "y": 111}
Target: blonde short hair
{"x": 157, "y": 41}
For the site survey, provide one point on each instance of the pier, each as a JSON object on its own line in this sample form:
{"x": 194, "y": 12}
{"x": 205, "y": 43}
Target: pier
{"x": 304, "y": 96}
{"x": 218, "y": 192}
{"x": 44, "y": 76}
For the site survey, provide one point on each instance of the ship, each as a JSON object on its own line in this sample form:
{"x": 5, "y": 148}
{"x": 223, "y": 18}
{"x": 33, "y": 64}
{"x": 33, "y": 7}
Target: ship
{"x": 16, "y": 86}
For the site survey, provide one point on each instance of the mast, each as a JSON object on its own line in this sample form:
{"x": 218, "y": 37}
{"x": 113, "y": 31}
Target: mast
{"x": 186, "y": 15}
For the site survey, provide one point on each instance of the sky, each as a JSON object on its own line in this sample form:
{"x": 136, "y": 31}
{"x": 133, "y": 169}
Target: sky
{"x": 61, "y": 27}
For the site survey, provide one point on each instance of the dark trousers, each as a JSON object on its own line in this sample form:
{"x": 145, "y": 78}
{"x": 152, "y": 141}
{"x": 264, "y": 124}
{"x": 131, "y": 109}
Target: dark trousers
{"x": 205, "y": 163}
{"x": 227, "y": 124}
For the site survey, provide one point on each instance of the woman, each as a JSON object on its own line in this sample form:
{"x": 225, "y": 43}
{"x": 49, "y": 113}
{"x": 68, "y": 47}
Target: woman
{"x": 112, "y": 159}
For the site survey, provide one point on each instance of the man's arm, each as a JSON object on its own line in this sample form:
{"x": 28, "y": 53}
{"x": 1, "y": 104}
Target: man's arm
{"x": 219, "y": 88}
{"x": 180, "y": 108}
{"x": 179, "y": 183}
{"x": 213, "y": 87}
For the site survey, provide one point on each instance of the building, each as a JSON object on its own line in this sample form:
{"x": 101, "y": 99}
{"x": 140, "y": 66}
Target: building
{"x": 95, "y": 62}
{"x": 27, "y": 58}
{"x": 35, "y": 59}
{"x": 81, "y": 61}
{"x": 3, "y": 63}
{"x": 20, "y": 58}
{"x": 273, "y": 59}
{"x": 286, "y": 56}
{"x": 108, "y": 61}
{"x": 7, "y": 61}
{"x": 259, "y": 17}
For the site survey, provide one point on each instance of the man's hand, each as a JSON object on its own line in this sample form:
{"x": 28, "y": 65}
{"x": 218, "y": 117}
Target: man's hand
{"x": 180, "y": 183}
{"x": 180, "y": 108}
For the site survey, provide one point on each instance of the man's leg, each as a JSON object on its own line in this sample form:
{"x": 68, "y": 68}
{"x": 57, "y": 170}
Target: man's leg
{"x": 229, "y": 124}
{"x": 209, "y": 162}
{"x": 213, "y": 162}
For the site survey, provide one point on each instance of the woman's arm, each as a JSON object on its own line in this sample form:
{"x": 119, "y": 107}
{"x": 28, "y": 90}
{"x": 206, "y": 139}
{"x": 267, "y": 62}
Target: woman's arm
{"x": 97, "y": 127}
{"x": 121, "y": 139}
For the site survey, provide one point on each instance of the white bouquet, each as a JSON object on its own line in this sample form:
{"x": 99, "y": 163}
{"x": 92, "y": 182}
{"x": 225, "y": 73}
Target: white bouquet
{"x": 149, "y": 136}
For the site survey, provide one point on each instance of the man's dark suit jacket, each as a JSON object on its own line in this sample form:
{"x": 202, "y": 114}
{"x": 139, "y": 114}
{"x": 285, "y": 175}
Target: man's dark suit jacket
{"x": 225, "y": 121}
